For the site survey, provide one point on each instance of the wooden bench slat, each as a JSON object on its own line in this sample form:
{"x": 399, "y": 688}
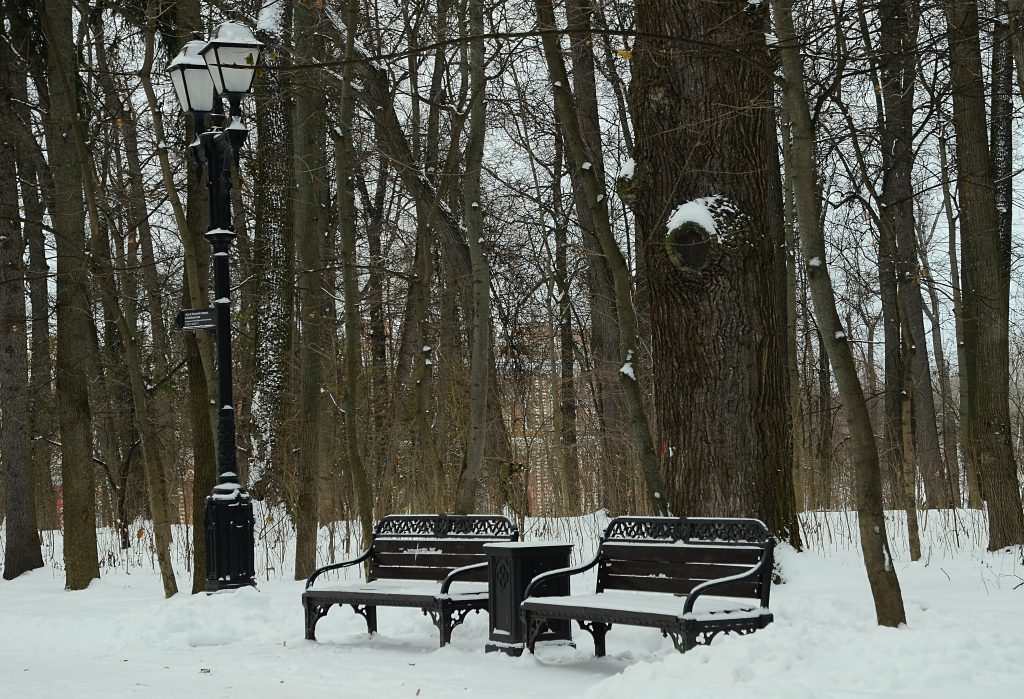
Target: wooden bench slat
{"x": 419, "y": 558}
{"x": 669, "y": 553}
{"x": 421, "y": 573}
{"x": 449, "y": 546}
{"x": 676, "y": 586}
{"x": 680, "y": 571}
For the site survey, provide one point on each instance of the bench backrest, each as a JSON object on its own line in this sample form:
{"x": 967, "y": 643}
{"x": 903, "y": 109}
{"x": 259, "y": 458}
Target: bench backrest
{"x": 428, "y": 547}
{"x": 675, "y": 554}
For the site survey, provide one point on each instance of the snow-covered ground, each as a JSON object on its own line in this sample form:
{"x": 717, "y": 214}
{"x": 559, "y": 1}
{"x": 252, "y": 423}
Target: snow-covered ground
{"x": 965, "y": 636}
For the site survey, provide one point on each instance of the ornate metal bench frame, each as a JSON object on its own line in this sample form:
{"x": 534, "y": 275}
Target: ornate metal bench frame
{"x": 445, "y": 612}
{"x": 687, "y": 630}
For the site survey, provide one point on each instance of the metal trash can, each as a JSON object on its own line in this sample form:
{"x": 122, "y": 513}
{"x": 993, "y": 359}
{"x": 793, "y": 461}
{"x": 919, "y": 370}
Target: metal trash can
{"x": 510, "y": 568}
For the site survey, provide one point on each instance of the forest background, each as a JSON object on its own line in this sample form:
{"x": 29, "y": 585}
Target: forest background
{"x": 730, "y": 258}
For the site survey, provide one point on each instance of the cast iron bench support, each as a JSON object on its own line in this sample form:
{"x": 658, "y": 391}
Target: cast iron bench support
{"x": 422, "y": 555}
{"x": 671, "y": 557}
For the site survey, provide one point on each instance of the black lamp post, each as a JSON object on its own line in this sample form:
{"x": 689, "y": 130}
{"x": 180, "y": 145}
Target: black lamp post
{"x": 203, "y": 73}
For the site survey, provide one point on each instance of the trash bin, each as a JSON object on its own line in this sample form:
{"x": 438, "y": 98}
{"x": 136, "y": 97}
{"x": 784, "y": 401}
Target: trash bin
{"x": 510, "y": 568}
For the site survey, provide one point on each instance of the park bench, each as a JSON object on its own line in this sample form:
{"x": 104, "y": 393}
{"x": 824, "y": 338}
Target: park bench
{"x": 651, "y": 571}
{"x": 432, "y": 562}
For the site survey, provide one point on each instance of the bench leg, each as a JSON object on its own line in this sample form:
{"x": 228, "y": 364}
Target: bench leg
{"x": 598, "y": 630}
{"x": 369, "y": 613}
{"x": 680, "y": 639}
{"x": 533, "y": 627}
{"x": 444, "y": 626}
{"x": 446, "y": 619}
{"x": 314, "y": 613}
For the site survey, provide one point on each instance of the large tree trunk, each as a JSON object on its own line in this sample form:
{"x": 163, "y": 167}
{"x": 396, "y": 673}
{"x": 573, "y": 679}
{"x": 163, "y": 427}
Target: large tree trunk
{"x": 604, "y": 323}
{"x": 898, "y": 43}
{"x": 353, "y": 322}
{"x": 73, "y": 311}
{"x": 985, "y": 285}
{"x": 21, "y": 547}
{"x": 32, "y": 177}
{"x": 717, "y": 292}
{"x": 311, "y": 223}
{"x": 480, "y": 325}
{"x": 273, "y": 265}
{"x": 885, "y": 587}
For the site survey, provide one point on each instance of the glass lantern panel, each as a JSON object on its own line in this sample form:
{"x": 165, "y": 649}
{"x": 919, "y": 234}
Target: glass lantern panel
{"x": 200, "y": 89}
{"x": 178, "y": 80}
{"x": 233, "y": 67}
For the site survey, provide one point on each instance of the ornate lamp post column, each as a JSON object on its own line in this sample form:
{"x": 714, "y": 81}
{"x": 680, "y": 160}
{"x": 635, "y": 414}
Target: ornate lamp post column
{"x": 203, "y": 73}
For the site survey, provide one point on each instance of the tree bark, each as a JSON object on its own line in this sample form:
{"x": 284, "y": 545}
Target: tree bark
{"x": 273, "y": 182}
{"x": 353, "y": 321}
{"x": 22, "y": 551}
{"x": 480, "y": 325}
{"x": 73, "y": 311}
{"x": 310, "y": 164}
{"x": 604, "y": 323}
{"x": 965, "y": 362}
{"x": 885, "y": 587}
{"x": 593, "y": 188}
{"x": 985, "y": 284}
{"x": 898, "y": 45}
{"x": 32, "y": 176}
{"x": 567, "y": 435}
{"x": 717, "y": 294}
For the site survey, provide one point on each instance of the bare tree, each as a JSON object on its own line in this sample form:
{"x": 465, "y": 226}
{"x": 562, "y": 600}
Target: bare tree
{"x": 882, "y": 577}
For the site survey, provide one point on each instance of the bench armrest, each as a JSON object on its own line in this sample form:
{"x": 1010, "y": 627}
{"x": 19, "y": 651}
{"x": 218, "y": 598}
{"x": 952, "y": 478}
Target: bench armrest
{"x": 759, "y": 570}
{"x": 559, "y": 573}
{"x": 335, "y": 566}
{"x": 458, "y": 573}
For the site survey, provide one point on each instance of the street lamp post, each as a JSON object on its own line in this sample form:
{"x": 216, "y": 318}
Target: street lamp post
{"x": 203, "y": 73}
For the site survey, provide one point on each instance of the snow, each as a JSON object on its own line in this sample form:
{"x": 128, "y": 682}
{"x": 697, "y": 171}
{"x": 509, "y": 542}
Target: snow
{"x": 627, "y": 367}
{"x": 270, "y": 17}
{"x": 695, "y": 211}
{"x": 814, "y": 262}
{"x": 233, "y": 32}
{"x": 120, "y": 638}
{"x": 189, "y": 55}
{"x": 627, "y": 169}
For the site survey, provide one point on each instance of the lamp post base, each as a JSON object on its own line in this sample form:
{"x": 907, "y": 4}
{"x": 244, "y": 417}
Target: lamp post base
{"x": 229, "y": 539}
